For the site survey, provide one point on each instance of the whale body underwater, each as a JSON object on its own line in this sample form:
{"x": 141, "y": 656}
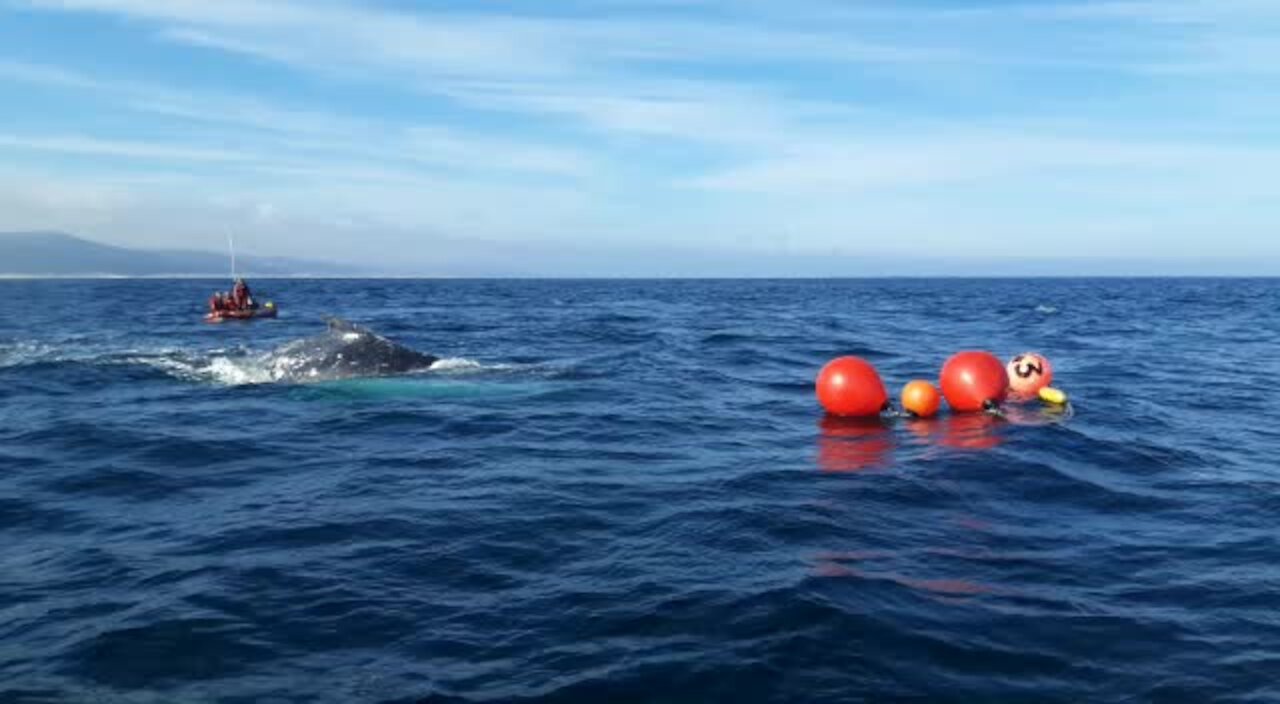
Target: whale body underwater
{"x": 344, "y": 351}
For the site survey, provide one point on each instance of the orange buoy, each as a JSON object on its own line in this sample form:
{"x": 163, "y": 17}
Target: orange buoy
{"x": 1028, "y": 373}
{"x": 850, "y": 386}
{"x": 972, "y": 381}
{"x": 921, "y": 398}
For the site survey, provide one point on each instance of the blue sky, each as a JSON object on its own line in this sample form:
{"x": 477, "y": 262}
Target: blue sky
{"x": 614, "y": 136}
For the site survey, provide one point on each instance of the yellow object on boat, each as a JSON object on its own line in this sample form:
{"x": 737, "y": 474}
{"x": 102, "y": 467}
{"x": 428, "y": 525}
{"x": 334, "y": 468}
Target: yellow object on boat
{"x": 1051, "y": 395}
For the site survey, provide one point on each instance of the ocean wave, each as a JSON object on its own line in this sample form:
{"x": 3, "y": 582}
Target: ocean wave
{"x": 170, "y": 360}
{"x": 26, "y": 353}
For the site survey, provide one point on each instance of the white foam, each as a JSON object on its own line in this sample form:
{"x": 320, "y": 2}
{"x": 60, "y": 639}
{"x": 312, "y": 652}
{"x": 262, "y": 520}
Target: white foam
{"x": 456, "y": 364}
{"x": 218, "y": 366}
{"x": 23, "y": 353}
{"x": 239, "y": 372}
{"x": 1046, "y": 309}
{"x": 173, "y": 365}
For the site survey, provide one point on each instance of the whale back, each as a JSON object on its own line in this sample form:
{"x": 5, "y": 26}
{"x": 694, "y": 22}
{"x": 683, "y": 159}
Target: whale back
{"x": 345, "y": 350}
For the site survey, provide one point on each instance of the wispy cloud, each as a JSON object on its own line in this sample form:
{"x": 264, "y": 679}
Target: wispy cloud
{"x": 621, "y": 75}
{"x": 44, "y": 75}
{"x": 609, "y": 75}
{"x": 74, "y": 144}
{"x": 289, "y": 133}
{"x": 841, "y": 167}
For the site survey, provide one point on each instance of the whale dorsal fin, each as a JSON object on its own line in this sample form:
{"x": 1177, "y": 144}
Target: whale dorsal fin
{"x": 340, "y": 325}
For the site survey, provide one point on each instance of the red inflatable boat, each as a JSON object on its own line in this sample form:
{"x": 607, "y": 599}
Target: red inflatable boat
{"x": 267, "y": 311}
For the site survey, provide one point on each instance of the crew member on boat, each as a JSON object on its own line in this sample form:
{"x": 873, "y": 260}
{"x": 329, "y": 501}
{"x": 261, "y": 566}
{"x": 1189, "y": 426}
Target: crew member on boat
{"x": 241, "y": 298}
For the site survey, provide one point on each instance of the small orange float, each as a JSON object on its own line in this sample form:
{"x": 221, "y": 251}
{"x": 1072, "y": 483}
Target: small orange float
{"x": 921, "y": 398}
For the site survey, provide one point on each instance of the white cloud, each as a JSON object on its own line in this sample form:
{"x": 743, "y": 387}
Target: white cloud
{"x": 280, "y": 135}
{"x": 439, "y": 145}
{"x": 831, "y": 165}
{"x": 189, "y": 103}
{"x": 43, "y": 75}
{"x": 369, "y": 215}
{"x": 614, "y": 75}
{"x": 74, "y": 144}
{"x": 606, "y": 74}
{"x": 222, "y": 13}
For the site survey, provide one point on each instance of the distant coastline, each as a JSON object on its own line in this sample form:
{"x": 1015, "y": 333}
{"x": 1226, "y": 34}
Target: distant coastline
{"x": 429, "y": 277}
{"x": 197, "y": 277}
{"x": 55, "y": 255}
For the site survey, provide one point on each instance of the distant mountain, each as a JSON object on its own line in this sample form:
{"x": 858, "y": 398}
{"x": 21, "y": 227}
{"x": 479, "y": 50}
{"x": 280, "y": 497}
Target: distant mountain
{"x": 60, "y": 254}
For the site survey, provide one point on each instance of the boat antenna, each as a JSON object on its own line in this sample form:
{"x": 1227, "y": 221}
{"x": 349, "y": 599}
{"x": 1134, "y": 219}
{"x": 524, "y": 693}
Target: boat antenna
{"x": 231, "y": 244}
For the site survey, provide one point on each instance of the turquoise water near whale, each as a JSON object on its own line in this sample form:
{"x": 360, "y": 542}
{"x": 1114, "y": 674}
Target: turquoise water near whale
{"x": 624, "y": 491}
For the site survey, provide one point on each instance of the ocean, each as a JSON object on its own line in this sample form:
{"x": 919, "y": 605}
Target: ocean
{"x": 625, "y": 491}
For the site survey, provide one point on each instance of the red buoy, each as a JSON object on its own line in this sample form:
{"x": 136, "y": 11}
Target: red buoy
{"x": 850, "y": 386}
{"x": 972, "y": 380}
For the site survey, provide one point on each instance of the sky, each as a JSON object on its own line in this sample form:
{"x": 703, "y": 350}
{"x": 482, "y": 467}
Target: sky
{"x": 612, "y": 136}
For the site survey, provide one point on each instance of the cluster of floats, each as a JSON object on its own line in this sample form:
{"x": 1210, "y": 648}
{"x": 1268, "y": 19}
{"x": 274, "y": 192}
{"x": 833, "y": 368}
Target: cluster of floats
{"x": 970, "y": 381}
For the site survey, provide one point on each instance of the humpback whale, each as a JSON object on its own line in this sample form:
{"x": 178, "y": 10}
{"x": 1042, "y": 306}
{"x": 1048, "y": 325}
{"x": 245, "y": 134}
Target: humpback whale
{"x": 344, "y": 351}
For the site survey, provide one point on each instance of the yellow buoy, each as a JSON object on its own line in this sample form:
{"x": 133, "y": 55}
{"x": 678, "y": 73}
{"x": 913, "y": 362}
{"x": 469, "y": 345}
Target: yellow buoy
{"x": 1051, "y": 395}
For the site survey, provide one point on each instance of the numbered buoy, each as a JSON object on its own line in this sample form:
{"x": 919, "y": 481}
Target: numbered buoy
{"x": 1028, "y": 373}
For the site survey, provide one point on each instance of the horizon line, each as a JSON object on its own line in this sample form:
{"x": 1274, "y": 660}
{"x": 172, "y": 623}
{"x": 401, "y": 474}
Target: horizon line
{"x": 657, "y": 277}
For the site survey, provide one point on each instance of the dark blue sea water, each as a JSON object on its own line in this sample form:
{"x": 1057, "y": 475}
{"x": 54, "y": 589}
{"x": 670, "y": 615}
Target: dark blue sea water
{"x": 625, "y": 491}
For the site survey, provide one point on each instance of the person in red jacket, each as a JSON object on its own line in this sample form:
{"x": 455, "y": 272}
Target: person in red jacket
{"x": 215, "y": 303}
{"x": 240, "y": 296}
